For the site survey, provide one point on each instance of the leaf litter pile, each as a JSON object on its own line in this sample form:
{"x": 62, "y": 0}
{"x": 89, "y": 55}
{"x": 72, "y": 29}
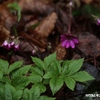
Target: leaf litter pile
{"x": 35, "y": 27}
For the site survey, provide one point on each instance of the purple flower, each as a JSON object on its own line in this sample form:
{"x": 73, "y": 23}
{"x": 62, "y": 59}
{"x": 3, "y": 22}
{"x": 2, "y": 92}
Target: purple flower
{"x": 69, "y": 40}
{"x": 6, "y": 45}
{"x": 98, "y": 21}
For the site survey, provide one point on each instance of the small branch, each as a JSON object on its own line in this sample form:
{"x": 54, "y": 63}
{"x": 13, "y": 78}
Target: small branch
{"x": 33, "y": 40}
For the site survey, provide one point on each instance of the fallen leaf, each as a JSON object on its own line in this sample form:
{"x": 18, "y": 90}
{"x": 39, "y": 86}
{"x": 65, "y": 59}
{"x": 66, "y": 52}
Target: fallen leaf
{"x": 61, "y": 52}
{"x": 7, "y": 17}
{"x": 4, "y": 34}
{"x": 87, "y": 1}
{"x": 46, "y": 27}
{"x": 89, "y": 44}
{"x": 39, "y": 6}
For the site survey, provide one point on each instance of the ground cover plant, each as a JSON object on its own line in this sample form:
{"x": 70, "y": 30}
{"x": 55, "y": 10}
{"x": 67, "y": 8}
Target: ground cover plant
{"x": 15, "y": 78}
{"x": 49, "y": 49}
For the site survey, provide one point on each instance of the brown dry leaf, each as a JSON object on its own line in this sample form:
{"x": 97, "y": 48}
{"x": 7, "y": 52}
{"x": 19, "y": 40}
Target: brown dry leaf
{"x": 61, "y": 52}
{"x": 45, "y": 28}
{"x": 89, "y": 44}
{"x": 77, "y": 2}
{"x": 4, "y": 34}
{"x": 8, "y": 18}
{"x": 35, "y": 6}
{"x": 87, "y": 1}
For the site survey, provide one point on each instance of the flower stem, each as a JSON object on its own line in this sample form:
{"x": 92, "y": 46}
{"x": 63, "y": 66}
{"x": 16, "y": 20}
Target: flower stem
{"x": 70, "y": 20}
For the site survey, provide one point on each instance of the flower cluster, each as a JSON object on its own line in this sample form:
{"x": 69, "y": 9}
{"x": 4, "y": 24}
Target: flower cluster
{"x": 69, "y": 40}
{"x": 8, "y": 44}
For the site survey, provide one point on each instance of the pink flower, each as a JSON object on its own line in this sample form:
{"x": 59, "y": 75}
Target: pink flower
{"x": 11, "y": 44}
{"x": 16, "y": 47}
{"x": 70, "y": 3}
{"x": 69, "y": 40}
{"x": 33, "y": 51}
{"x": 6, "y": 45}
{"x": 98, "y": 21}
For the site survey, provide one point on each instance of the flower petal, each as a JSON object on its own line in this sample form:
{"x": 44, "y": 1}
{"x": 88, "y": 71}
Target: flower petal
{"x": 16, "y": 47}
{"x": 5, "y": 43}
{"x": 72, "y": 44}
{"x": 64, "y": 43}
{"x": 75, "y": 40}
{"x": 67, "y": 44}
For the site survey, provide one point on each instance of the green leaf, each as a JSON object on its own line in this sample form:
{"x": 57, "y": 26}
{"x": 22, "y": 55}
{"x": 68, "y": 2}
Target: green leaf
{"x": 17, "y": 95}
{"x": 50, "y": 74}
{"x": 64, "y": 68}
{"x": 90, "y": 10}
{"x": 5, "y": 79}
{"x": 21, "y": 71}
{"x": 19, "y": 15}
{"x": 38, "y": 88}
{"x": 55, "y": 84}
{"x": 45, "y": 98}
{"x": 15, "y": 7}
{"x": 49, "y": 59}
{"x": 4, "y": 66}
{"x": 70, "y": 83}
{"x": 34, "y": 78}
{"x": 27, "y": 95}
{"x": 38, "y": 62}
{"x": 75, "y": 66}
{"x": 14, "y": 66}
{"x": 46, "y": 81}
{"x": 2, "y": 91}
{"x": 82, "y": 76}
{"x": 9, "y": 90}
{"x": 1, "y": 74}
{"x": 57, "y": 66}
{"x": 35, "y": 25}
{"x": 36, "y": 70}
{"x": 35, "y": 75}
{"x": 20, "y": 82}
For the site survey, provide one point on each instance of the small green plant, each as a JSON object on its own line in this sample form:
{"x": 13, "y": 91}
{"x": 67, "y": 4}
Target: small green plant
{"x": 28, "y": 82}
{"x": 14, "y": 7}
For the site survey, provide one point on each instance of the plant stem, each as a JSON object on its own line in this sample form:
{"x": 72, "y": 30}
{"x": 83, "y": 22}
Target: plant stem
{"x": 70, "y": 20}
